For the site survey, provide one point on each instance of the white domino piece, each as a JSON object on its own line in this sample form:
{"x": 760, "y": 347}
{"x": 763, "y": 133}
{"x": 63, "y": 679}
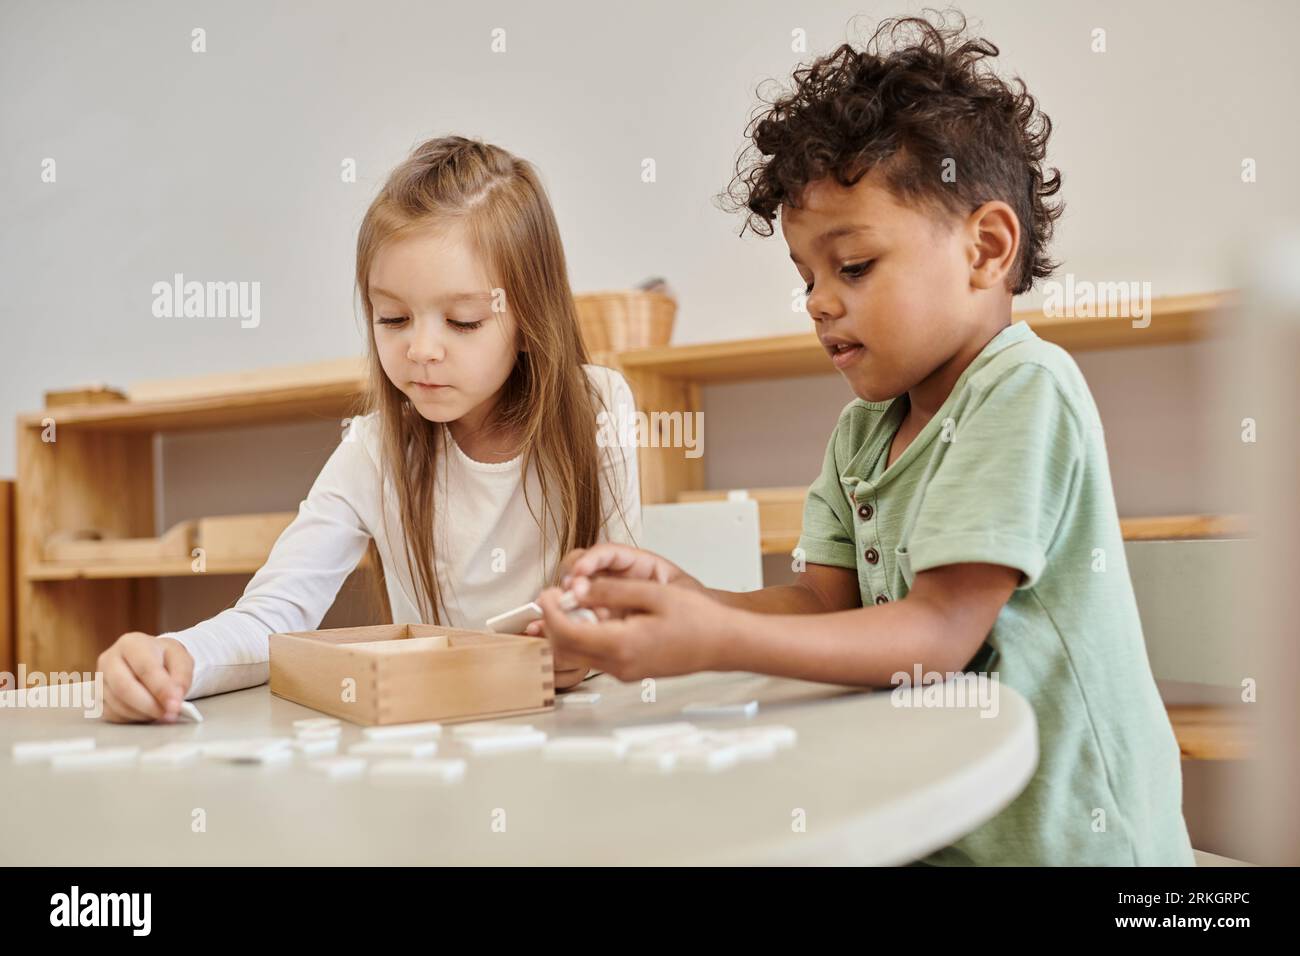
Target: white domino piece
{"x": 320, "y": 733}
{"x": 780, "y": 735}
{"x": 171, "y": 755}
{"x": 190, "y": 712}
{"x": 95, "y": 759}
{"x": 585, "y": 748}
{"x": 339, "y": 767}
{"x": 578, "y": 700}
{"x": 488, "y": 728}
{"x": 255, "y": 750}
{"x": 401, "y": 731}
{"x": 709, "y": 757}
{"x": 44, "y": 749}
{"x": 504, "y": 743}
{"x": 516, "y": 620}
{"x": 653, "y": 758}
{"x": 316, "y": 723}
{"x": 315, "y": 746}
{"x": 642, "y": 733}
{"x": 746, "y": 709}
{"x": 394, "y": 748}
{"x": 747, "y": 747}
{"x": 448, "y": 771}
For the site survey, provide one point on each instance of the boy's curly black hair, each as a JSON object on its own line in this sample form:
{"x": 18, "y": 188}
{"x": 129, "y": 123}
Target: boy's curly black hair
{"x": 907, "y": 106}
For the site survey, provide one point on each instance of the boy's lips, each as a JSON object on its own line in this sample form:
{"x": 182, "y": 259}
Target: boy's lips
{"x": 843, "y": 352}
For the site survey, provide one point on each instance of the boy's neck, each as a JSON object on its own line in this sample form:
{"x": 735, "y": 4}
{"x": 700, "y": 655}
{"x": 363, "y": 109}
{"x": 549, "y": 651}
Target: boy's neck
{"x": 927, "y": 396}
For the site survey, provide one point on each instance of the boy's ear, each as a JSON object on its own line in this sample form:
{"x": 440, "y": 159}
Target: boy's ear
{"x": 994, "y": 233}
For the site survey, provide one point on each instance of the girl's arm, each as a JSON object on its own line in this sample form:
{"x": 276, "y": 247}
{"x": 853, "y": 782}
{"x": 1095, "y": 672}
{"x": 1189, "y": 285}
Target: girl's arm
{"x": 295, "y": 587}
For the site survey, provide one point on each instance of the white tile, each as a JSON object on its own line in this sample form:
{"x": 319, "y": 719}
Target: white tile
{"x": 707, "y": 757}
{"x": 394, "y": 748}
{"x": 43, "y": 749}
{"x": 320, "y": 733}
{"x": 642, "y": 732}
{"x": 483, "y": 728}
{"x": 316, "y": 723}
{"x": 447, "y": 771}
{"x": 652, "y": 759}
{"x": 95, "y": 759}
{"x": 339, "y": 767}
{"x": 745, "y": 709}
{"x": 578, "y": 700}
{"x": 503, "y": 743}
{"x": 170, "y": 755}
{"x": 251, "y": 750}
{"x": 401, "y": 731}
{"x": 585, "y": 748}
{"x": 316, "y": 746}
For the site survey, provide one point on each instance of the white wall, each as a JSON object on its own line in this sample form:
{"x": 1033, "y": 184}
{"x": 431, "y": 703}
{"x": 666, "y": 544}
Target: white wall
{"x": 225, "y": 165}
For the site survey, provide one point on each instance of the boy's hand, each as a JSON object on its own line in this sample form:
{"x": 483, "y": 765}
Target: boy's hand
{"x": 622, "y": 561}
{"x": 145, "y": 678}
{"x": 667, "y": 630}
{"x": 615, "y": 560}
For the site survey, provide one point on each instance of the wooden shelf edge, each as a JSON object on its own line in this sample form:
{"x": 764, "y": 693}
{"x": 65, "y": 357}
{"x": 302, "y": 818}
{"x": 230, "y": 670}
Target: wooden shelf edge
{"x": 1212, "y": 732}
{"x": 1182, "y": 318}
{"x": 780, "y": 509}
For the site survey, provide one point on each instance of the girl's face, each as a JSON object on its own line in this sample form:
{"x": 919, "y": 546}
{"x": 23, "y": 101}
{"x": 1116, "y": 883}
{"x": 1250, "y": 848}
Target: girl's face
{"x": 438, "y": 337}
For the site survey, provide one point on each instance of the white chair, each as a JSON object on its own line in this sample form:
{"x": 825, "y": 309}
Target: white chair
{"x": 715, "y": 541}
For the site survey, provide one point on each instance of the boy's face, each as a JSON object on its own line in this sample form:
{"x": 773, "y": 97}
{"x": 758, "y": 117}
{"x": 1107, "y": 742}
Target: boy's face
{"x": 438, "y": 339}
{"x": 890, "y": 283}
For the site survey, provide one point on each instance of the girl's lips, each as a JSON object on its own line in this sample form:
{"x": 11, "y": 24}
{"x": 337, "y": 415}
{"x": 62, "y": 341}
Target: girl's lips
{"x": 428, "y": 386}
{"x": 846, "y": 357}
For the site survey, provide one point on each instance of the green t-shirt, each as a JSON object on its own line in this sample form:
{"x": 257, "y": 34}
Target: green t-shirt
{"x": 1012, "y": 470}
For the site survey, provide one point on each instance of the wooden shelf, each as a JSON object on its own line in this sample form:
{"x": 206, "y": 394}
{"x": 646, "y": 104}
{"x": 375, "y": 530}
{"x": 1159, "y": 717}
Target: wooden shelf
{"x": 1173, "y": 319}
{"x": 1209, "y": 732}
{"x": 780, "y": 518}
{"x": 102, "y": 474}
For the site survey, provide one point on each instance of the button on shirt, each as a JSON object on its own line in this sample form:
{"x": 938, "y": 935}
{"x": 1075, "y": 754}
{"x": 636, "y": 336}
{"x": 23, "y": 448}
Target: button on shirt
{"x": 1012, "y": 470}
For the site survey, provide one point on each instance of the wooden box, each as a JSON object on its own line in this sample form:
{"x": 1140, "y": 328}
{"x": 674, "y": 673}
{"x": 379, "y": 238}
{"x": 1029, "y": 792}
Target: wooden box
{"x": 400, "y": 673}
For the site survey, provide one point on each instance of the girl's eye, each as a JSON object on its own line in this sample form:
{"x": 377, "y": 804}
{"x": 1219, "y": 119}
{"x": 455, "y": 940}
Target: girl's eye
{"x": 464, "y": 326}
{"x": 392, "y": 320}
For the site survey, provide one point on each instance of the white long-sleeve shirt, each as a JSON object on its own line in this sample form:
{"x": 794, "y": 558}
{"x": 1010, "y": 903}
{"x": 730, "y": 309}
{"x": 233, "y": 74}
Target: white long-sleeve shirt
{"x": 490, "y": 556}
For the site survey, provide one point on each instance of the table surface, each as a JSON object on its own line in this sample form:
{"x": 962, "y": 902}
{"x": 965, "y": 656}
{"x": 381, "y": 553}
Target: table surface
{"x": 876, "y": 783}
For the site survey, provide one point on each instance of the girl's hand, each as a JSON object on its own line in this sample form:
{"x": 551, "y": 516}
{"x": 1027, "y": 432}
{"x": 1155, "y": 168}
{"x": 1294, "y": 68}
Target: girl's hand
{"x": 666, "y": 630}
{"x": 145, "y": 678}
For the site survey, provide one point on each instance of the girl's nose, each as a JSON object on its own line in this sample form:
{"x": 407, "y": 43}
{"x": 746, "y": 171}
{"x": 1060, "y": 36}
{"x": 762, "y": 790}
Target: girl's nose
{"x": 426, "y": 346}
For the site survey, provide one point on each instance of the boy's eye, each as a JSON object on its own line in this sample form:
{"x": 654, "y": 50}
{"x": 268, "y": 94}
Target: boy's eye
{"x": 854, "y": 271}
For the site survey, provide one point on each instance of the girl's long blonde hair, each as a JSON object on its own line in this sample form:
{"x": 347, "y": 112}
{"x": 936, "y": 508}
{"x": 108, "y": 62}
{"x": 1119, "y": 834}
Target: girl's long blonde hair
{"x": 548, "y": 400}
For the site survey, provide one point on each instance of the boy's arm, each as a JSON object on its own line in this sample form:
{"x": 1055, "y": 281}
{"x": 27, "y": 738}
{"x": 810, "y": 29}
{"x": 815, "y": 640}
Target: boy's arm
{"x": 819, "y": 590}
{"x": 672, "y": 630}
{"x": 939, "y": 625}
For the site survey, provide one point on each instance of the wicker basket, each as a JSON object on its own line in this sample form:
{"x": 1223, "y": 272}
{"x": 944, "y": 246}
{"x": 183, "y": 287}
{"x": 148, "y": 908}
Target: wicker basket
{"x": 616, "y": 321}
